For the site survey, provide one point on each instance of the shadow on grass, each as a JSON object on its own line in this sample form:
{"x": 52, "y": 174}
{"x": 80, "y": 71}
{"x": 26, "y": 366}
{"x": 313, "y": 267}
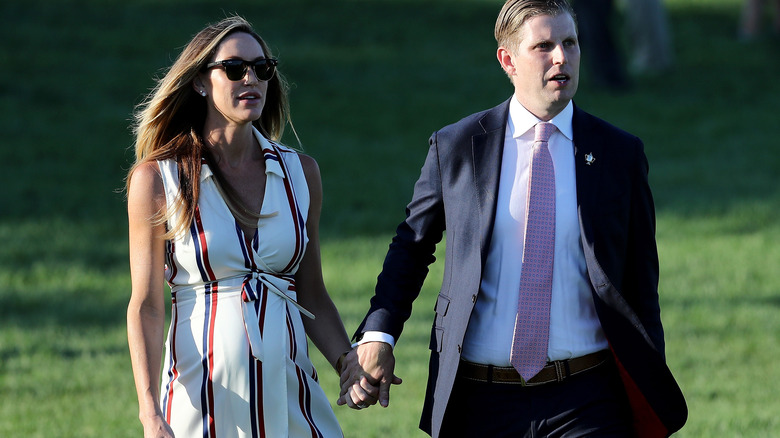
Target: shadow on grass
{"x": 371, "y": 81}
{"x": 58, "y": 272}
{"x": 74, "y": 307}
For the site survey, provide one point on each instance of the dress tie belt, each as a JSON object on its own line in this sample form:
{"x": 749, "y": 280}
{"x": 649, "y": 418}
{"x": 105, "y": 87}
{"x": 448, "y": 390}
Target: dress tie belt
{"x": 276, "y": 283}
{"x": 270, "y": 342}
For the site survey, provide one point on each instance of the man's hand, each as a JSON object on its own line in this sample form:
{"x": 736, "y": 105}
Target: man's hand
{"x": 366, "y": 376}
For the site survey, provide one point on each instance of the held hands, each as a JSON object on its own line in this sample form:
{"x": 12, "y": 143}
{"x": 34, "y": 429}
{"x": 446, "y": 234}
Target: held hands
{"x": 366, "y": 376}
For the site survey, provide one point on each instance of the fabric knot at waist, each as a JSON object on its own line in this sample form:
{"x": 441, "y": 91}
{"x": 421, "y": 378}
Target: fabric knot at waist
{"x": 256, "y": 282}
{"x": 266, "y": 334}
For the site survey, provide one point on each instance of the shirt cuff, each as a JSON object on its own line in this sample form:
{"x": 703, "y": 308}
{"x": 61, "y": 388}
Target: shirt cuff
{"x": 372, "y": 336}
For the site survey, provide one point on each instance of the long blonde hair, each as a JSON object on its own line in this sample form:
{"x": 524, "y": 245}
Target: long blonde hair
{"x": 169, "y": 123}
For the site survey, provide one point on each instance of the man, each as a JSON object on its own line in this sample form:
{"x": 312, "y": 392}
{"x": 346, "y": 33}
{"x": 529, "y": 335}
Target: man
{"x": 561, "y": 337}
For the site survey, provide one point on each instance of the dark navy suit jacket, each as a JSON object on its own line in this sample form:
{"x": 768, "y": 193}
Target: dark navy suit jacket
{"x": 457, "y": 192}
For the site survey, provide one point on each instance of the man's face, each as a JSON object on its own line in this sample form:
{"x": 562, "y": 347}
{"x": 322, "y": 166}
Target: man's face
{"x": 546, "y": 64}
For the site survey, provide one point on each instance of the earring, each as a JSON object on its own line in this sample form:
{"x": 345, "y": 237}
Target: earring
{"x": 203, "y": 93}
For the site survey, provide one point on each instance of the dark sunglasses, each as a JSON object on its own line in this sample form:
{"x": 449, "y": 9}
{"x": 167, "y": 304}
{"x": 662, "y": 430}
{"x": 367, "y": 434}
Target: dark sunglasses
{"x": 235, "y": 69}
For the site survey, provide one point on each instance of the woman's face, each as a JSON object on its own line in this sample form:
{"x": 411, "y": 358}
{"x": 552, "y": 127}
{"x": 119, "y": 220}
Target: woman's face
{"x": 234, "y": 102}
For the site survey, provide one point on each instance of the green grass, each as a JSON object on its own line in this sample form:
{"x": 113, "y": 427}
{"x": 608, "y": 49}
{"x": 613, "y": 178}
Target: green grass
{"x": 372, "y": 80}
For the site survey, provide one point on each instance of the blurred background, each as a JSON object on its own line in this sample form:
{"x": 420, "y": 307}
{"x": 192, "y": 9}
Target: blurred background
{"x": 371, "y": 80}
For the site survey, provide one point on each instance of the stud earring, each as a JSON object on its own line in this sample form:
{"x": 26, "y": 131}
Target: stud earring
{"x": 203, "y": 93}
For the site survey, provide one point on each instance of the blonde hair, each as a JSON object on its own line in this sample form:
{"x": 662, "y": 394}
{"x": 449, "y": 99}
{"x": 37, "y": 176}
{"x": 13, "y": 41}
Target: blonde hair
{"x": 516, "y": 12}
{"x": 169, "y": 122}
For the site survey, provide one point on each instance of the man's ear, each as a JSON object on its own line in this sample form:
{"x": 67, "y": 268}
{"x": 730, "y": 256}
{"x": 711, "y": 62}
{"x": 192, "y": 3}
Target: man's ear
{"x": 506, "y": 60}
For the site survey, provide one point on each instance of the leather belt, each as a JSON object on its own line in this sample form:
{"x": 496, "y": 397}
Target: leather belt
{"x": 555, "y": 371}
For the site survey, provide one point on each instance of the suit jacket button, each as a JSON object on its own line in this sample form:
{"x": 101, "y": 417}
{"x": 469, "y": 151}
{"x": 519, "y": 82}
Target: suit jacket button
{"x": 474, "y": 298}
{"x": 458, "y": 349}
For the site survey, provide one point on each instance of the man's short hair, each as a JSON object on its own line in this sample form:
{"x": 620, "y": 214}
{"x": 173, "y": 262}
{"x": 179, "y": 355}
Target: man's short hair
{"x": 516, "y": 12}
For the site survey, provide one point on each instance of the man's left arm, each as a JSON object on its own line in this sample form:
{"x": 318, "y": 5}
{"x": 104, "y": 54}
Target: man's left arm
{"x": 642, "y": 269}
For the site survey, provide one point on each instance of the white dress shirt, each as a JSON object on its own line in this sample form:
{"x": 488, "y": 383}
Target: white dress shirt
{"x": 574, "y": 327}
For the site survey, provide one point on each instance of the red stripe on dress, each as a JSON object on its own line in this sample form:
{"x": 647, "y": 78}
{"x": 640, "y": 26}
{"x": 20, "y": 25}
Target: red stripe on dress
{"x": 260, "y": 308}
{"x": 304, "y": 402}
{"x": 293, "y": 347}
{"x": 260, "y": 410}
{"x": 248, "y": 254}
{"x": 174, "y": 371}
{"x": 204, "y": 251}
{"x": 263, "y": 307}
{"x": 210, "y": 385}
{"x": 294, "y": 213}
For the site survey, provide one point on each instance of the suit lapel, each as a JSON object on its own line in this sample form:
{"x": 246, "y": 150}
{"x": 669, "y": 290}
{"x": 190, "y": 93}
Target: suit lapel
{"x": 587, "y": 175}
{"x": 487, "y": 150}
{"x": 590, "y": 192}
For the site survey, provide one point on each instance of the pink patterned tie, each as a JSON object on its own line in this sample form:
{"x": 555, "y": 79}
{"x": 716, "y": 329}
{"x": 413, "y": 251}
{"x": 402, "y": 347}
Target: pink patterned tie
{"x": 532, "y": 326}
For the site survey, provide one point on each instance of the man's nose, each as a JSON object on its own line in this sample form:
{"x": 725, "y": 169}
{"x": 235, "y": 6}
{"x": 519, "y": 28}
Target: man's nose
{"x": 559, "y": 55}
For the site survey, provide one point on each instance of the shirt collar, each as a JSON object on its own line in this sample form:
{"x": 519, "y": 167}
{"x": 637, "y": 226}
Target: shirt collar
{"x": 205, "y": 170}
{"x": 521, "y": 120}
{"x": 270, "y": 154}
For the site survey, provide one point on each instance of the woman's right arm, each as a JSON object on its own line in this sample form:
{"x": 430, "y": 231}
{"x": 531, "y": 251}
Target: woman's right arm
{"x": 146, "y": 310}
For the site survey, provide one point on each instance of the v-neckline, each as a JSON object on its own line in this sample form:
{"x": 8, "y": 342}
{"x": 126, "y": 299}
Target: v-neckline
{"x": 226, "y": 208}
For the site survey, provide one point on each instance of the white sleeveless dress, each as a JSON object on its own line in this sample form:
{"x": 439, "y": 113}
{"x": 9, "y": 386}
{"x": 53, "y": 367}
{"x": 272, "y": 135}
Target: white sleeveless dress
{"x": 236, "y": 361}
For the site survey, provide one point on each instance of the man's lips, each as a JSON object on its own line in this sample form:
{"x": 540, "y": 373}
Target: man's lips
{"x": 560, "y": 77}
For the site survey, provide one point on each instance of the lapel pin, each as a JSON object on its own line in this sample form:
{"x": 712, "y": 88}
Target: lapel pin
{"x": 589, "y": 158}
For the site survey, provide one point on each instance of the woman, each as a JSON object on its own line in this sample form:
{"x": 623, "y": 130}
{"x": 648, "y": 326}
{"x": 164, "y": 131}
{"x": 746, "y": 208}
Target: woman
{"x": 229, "y": 218}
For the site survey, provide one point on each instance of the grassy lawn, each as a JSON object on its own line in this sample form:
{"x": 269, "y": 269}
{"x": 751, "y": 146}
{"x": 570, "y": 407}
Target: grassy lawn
{"x": 372, "y": 80}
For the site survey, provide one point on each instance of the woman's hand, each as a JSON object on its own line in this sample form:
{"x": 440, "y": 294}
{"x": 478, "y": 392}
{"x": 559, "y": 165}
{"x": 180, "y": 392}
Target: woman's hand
{"x": 156, "y": 427}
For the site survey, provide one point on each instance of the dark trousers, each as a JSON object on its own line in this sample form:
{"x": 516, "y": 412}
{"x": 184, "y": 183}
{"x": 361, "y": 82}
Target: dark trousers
{"x": 590, "y": 404}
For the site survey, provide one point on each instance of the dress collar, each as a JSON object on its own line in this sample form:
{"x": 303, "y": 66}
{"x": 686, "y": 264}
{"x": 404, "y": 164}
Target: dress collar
{"x": 271, "y": 154}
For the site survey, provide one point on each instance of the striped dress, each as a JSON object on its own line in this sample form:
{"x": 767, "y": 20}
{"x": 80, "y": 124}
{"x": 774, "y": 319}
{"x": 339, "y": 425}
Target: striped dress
{"x": 236, "y": 360}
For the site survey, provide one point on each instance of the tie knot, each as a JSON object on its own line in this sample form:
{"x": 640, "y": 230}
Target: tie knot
{"x": 543, "y": 131}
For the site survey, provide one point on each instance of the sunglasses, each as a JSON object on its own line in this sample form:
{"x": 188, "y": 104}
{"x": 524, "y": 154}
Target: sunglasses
{"x": 235, "y": 69}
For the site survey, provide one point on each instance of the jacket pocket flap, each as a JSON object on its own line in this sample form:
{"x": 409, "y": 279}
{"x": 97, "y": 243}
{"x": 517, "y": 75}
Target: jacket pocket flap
{"x": 442, "y": 304}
